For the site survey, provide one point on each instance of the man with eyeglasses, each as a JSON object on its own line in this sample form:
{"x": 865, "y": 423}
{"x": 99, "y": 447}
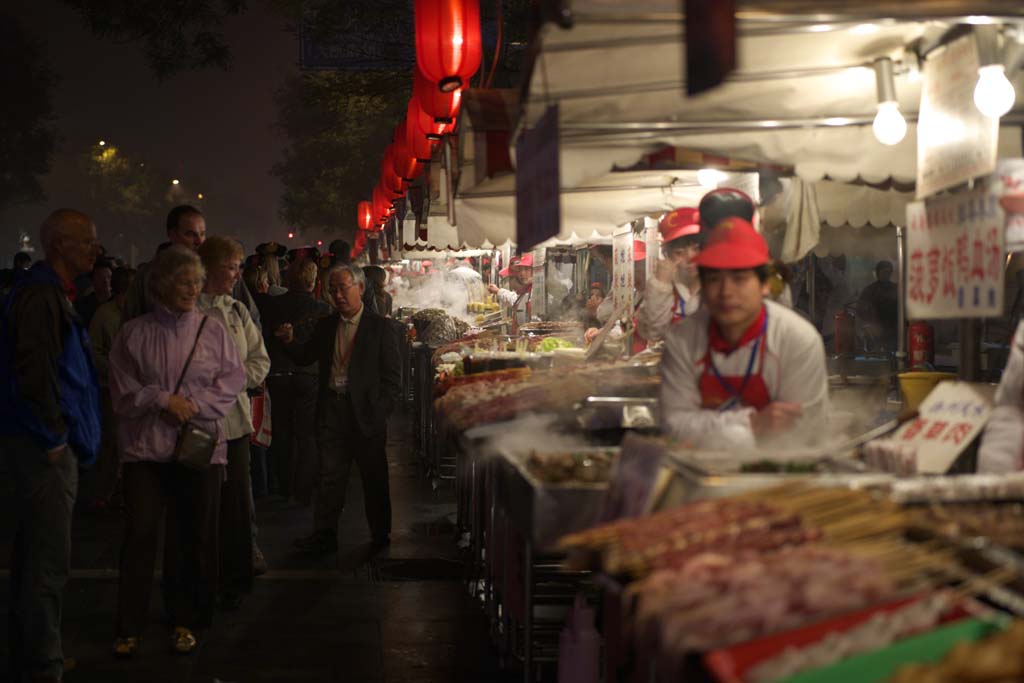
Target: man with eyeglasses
{"x": 49, "y": 423}
{"x": 360, "y": 374}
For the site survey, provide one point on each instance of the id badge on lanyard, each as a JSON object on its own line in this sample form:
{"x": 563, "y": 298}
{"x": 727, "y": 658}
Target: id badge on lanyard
{"x": 736, "y": 395}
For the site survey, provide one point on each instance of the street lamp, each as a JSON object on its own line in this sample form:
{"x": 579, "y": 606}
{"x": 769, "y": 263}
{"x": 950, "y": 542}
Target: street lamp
{"x": 102, "y": 143}
{"x": 175, "y": 182}
{"x": 199, "y": 196}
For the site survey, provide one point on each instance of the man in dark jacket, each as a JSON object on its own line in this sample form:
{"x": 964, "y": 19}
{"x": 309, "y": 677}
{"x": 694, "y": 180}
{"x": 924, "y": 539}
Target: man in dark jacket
{"x": 49, "y": 422}
{"x": 292, "y": 388}
{"x": 359, "y": 386}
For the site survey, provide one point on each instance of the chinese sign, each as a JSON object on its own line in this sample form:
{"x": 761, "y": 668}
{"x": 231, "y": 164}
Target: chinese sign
{"x": 955, "y": 141}
{"x": 955, "y": 257}
{"x": 622, "y": 269}
{"x": 1008, "y": 185}
{"x": 949, "y": 420}
{"x": 538, "y": 184}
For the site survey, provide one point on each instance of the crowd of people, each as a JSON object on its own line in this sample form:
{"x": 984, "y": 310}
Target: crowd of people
{"x": 157, "y": 378}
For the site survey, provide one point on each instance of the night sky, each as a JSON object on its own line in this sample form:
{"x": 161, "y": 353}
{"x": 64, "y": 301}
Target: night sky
{"x": 213, "y": 129}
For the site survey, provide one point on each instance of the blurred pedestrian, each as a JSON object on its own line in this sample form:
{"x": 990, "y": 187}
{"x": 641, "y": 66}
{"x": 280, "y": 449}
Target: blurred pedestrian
{"x": 104, "y": 327}
{"x": 100, "y": 294}
{"x": 170, "y": 367}
{"x": 49, "y": 423}
{"x": 222, "y": 259}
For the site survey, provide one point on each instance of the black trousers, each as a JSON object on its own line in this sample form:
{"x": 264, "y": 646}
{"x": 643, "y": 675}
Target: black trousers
{"x": 192, "y": 503}
{"x": 236, "y": 521}
{"x": 342, "y": 443}
{"x": 293, "y": 450}
{"x": 44, "y": 495}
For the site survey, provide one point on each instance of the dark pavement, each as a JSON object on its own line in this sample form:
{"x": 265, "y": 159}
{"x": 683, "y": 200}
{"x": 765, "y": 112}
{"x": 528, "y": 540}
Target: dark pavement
{"x": 402, "y": 614}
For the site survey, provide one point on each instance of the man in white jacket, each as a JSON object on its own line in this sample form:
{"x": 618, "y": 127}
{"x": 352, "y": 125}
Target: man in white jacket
{"x": 742, "y": 370}
{"x": 1002, "y": 445}
{"x": 674, "y": 292}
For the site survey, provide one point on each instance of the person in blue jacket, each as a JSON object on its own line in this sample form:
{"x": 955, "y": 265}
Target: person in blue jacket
{"x": 49, "y": 423}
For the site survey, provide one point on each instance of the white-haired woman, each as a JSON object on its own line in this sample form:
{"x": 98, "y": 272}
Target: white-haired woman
{"x": 153, "y": 394}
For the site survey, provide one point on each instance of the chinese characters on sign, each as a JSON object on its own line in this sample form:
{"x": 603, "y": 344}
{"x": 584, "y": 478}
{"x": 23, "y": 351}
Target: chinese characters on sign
{"x": 622, "y": 270}
{"x": 955, "y": 141}
{"x": 950, "y": 418}
{"x": 955, "y": 257}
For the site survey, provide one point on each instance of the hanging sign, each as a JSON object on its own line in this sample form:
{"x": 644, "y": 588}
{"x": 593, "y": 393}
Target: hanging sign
{"x": 538, "y": 194}
{"x": 622, "y": 269}
{"x": 955, "y": 257}
{"x": 955, "y": 141}
{"x": 950, "y": 418}
{"x": 1008, "y": 185}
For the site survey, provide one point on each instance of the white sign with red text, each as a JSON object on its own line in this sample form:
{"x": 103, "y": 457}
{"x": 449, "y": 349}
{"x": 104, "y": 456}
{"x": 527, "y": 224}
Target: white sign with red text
{"x": 950, "y": 418}
{"x": 622, "y": 269}
{"x": 955, "y": 257}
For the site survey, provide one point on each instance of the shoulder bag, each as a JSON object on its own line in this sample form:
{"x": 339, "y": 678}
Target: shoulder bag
{"x": 195, "y": 446}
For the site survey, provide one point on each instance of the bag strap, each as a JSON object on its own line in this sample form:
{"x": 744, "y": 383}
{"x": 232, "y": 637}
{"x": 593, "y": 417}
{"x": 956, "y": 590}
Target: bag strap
{"x": 190, "y": 354}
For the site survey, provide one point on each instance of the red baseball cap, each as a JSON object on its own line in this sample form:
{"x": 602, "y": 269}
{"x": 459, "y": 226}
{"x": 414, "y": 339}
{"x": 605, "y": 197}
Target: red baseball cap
{"x": 639, "y": 250}
{"x": 733, "y": 244}
{"x": 526, "y": 261}
{"x": 681, "y": 222}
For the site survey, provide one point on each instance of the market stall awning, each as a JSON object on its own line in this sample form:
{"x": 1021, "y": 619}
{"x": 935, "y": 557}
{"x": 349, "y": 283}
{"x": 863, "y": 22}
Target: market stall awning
{"x": 803, "y": 93}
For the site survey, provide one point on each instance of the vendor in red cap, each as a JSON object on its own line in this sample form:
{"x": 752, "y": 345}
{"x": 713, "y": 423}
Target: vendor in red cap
{"x": 606, "y": 308}
{"x": 520, "y": 285}
{"x": 674, "y": 293}
{"x": 743, "y": 369}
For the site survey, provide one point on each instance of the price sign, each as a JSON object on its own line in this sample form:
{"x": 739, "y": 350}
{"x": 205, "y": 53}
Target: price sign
{"x": 949, "y": 420}
{"x": 955, "y": 256}
{"x": 622, "y": 269}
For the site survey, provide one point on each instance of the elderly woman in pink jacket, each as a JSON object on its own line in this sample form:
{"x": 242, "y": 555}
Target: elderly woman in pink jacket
{"x": 147, "y": 364}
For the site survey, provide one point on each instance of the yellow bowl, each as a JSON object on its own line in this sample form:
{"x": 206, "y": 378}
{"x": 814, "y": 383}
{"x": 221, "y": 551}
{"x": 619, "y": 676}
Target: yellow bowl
{"x": 918, "y": 384}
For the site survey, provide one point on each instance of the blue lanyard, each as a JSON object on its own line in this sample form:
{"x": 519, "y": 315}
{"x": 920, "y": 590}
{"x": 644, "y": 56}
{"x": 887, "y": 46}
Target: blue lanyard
{"x": 682, "y": 304}
{"x": 736, "y": 395}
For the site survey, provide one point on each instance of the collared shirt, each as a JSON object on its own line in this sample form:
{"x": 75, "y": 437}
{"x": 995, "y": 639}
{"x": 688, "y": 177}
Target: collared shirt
{"x": 343, "y": 340}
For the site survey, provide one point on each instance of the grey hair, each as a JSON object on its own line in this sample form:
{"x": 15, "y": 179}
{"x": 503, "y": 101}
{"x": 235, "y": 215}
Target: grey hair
{"x": 164, "y": 268}
{"x": 357, "y": 273}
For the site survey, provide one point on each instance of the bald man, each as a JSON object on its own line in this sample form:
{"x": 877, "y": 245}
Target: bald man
{"x": 49, "y": 422}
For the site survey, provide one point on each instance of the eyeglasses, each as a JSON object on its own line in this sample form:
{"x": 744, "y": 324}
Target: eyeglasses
{"x": 332, "y": 289}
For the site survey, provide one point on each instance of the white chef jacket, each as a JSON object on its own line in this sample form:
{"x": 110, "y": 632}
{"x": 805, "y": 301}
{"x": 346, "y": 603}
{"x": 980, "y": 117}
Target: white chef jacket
{"x": 793, "y": 369}
{"x": 520, "y": 312}
{"x": 658, "y": 307}
{"x": 1002, "y": 444}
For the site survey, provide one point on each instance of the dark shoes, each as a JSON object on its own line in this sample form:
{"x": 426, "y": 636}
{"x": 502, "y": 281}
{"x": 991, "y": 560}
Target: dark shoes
{"x": 318, "y": 543}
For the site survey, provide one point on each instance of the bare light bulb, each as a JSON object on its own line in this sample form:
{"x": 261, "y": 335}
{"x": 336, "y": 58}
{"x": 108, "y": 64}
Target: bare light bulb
{"x": 890, "y": 127}
{"x": 994, "y": 94}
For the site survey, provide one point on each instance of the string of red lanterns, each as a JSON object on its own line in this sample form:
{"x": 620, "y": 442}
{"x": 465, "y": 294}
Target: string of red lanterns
{"x": 448, "y": 53}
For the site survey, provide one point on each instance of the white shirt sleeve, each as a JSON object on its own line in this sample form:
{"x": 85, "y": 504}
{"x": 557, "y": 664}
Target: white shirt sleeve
{"x": 681, "y": 412}
{"x": 655, "y": 314}
{"x": 1002, "y": 442}
{"x": 804, "y": 379}
{"x": 507, "y": 297}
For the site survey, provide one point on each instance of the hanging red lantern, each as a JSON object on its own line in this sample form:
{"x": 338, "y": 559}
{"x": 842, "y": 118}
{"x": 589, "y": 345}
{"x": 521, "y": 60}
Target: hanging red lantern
{"x": 443, "y": 106}
{"x": 364, "y": 215}
{"x": 381, "y": 203}
{"x": 389, "y": 179}
{"x": 417, "y": 126}
{"x": 404, "y": 163}
{"x": 448, "y": 45}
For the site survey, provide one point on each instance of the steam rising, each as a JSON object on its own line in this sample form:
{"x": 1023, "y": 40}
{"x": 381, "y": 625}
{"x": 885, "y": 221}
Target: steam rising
{"x": 439, "y": 290}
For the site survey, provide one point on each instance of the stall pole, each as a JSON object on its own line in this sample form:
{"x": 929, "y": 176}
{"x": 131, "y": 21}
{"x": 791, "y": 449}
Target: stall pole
{"x": 970, "y": 350}
{"x": 901, "y": 311}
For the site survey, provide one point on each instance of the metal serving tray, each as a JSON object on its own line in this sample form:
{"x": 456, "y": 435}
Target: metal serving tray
{"x": 546, "y": 512}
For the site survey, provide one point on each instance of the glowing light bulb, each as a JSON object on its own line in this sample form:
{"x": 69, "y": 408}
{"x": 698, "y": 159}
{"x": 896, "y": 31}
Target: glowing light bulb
{"x": 291, "y": 235}
{"x": 710, "y": 177}
{"x": 994, "y": 94}
{"x": 200, "y": 195}
{"x": 890, "y": 127}
{"x": 102, "y": 143}
{"x": 175, "y": 182}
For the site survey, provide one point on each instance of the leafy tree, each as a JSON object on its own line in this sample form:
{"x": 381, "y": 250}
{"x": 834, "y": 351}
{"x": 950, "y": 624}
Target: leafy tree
{"x": 27, "y": 136}
{"x": 129, "y": 192}
{"x": 178, "y": 35}
{"x": 338, "y": 124}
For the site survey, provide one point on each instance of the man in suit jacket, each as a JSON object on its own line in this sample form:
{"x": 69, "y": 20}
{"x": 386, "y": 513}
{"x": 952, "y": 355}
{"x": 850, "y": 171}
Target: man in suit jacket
{"x": 360, "y": 375}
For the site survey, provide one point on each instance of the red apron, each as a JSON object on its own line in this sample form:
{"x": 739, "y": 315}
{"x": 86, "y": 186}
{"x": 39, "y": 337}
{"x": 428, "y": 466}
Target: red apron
{"x": 723, "y": 393}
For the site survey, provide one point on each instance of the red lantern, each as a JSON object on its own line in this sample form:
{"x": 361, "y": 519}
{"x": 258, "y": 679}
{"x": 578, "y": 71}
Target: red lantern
{"x": 448, "y": 45}
{"x": 364, "y": 215}
{"x": 405, "y": 165}
{"x": 417, "y": 126}
{"x": 389, "y": 179}
{"x": 443, "y": 106}
{"x": 381, "y": 204}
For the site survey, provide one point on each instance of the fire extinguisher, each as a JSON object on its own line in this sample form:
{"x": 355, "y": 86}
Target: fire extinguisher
{"x": 921, "y": 345}
{"x": 846, "y": 332}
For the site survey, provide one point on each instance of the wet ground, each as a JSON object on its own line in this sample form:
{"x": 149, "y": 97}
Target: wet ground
{"x": 402, "y": 614}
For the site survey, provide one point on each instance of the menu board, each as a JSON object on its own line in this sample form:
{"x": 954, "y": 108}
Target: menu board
{"x": 950, "y": 418}
{"x": 622, "y": 269}
{"x": 955, "y": 141}
{"x": 955, "y": 256}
